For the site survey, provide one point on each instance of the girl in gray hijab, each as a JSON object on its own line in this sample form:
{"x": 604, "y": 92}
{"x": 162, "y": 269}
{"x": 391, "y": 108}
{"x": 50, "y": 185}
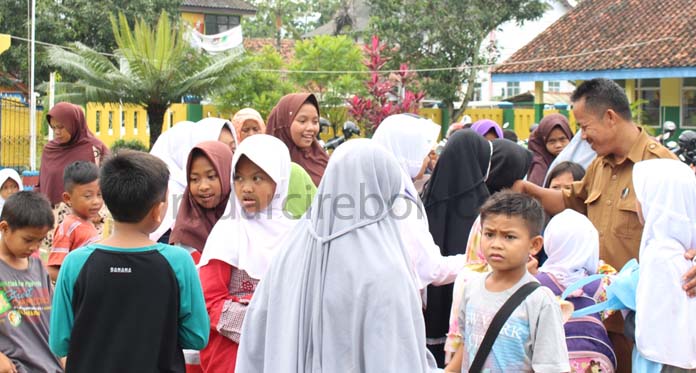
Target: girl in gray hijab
{"x": 340, "y": 295}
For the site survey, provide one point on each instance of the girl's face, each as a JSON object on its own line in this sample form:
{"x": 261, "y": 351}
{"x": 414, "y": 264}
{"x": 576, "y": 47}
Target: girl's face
{"x": 204, "y": 183}
{"x": 556, "y": 141}
{"x": 60, "y": 133}
{"x": 8, "y": 188}
{"x": 305, "y": 126}
{"x": 249, "y": 128}
{"x": 252, "y": 185}
{"x": 226, "y": 137}
{"x": 562, "y": 182}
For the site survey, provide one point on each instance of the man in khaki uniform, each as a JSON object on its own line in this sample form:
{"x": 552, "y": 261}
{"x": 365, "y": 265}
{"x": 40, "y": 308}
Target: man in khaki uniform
{"x": 606, "y": 193}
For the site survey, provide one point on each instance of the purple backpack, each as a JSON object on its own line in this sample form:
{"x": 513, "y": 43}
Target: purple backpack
{"x": 589, "y": 347}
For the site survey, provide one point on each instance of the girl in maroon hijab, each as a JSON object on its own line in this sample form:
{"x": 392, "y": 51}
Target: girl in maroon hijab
{"x": 295, "y": 121}
{"x": 72, "y": 141}
{"x": 207, "y": 193}
{"x": 546, "y": 142}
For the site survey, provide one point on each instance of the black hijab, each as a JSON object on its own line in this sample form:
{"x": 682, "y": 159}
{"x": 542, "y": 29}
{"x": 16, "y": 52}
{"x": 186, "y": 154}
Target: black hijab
{"x": 455, "y": 192}
{"x": 510, "y": 163}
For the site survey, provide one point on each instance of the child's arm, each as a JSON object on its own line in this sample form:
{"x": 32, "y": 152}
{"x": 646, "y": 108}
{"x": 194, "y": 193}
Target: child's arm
{"x": 194, "y": 325}
{"x": 455, "y": 365}
{"x": 6, "y": 365}
{"x": 61, "y": 315}
{"x": 226, "y": 311}
{"x": 53, "y": 272}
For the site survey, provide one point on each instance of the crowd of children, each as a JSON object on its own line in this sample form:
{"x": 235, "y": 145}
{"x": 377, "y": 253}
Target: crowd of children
{"x": 233, "y": 250}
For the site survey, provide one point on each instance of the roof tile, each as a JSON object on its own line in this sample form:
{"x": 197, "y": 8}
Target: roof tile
{"x": 612, "y": 34}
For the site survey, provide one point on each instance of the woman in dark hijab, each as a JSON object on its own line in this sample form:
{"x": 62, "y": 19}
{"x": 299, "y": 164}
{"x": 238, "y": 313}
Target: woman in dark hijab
{"x": 72, "y": 142}
{"x": 452, "y": 198}
{"x": 546, "y": 142}
{"x": 295, "y": 121}
{"x": 510, "y": 162}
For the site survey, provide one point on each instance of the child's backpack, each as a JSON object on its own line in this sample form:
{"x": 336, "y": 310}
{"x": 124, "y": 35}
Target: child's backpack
{"x": 589, "y": 347}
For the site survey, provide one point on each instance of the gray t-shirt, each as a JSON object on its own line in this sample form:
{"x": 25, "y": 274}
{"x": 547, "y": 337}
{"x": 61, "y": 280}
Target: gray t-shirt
{"x": 532, "y": 339}
{"x": 25, "y": 310}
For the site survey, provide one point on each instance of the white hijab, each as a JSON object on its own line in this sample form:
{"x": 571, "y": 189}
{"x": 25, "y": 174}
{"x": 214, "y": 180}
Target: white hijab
{"x": 173, "y": 147}
{"x": 248, "y": 242}
{"x": 409, "y": 138}
{"x": 572, "y": 245}
{"x": 665, "y": 329}
{"x": 339, "y": 296}
{"x": 9, "y": 174}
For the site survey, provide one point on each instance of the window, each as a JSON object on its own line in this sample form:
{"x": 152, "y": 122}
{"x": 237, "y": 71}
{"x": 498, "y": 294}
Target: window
{"x": 648, "y": 91}
{"x": 513, "y": 89}
{"x": 215, "y": 24}
{"x": 477, "y": 92}
{"x": 97, "y": 123}
{"x": 689, "y": 103}
{"x": 111, "y": 120}
{"x": 135, "y": 123}
{"x": 554, "y": 86}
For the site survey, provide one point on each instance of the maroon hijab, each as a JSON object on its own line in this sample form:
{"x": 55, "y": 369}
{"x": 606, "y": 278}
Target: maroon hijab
{"x": 537, "y": 144}
{"x": 193, "y": 222}
{"x": 83, "y": 146}
{"x": 314, "y": 158}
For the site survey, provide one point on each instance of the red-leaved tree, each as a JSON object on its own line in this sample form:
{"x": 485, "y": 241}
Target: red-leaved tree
{"x": 387, "y": 93}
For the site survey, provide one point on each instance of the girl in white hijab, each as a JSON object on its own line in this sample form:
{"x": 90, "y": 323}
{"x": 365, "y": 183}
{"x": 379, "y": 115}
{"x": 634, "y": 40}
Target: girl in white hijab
{"x": 665, "y": 328}
{"x": 339, "y": 296}
{"x": 10, "y": 183}
{"x": 409, "y": 138}
{"x": 173, "y": 147}
{"x": 242, "y": 243}
{"x": 572, "y": 245}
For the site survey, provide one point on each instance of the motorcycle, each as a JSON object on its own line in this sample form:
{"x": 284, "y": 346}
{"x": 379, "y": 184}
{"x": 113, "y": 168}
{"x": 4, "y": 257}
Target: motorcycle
{"x": 350, "y": 129}
{"x": 685, "y": 147}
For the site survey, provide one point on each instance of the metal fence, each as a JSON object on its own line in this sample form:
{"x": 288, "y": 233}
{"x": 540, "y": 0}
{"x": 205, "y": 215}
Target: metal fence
{"x": 15, "y": 136}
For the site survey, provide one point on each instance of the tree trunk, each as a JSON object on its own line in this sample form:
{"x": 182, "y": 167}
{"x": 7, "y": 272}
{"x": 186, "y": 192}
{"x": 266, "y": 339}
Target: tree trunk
{"x": 470, "y": 81}
{"x": 155, "y": 114}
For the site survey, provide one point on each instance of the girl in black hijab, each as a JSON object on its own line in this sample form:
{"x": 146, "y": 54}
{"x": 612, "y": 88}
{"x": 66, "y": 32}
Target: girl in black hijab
{"x": 469, "y": 170}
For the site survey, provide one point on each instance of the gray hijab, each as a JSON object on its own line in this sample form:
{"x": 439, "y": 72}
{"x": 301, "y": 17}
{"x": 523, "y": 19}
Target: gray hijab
{"x": 340, "y": 295}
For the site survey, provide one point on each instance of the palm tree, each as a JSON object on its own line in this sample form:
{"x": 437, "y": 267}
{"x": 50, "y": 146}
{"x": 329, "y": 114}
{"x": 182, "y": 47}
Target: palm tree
{"x": 152, "y": 68}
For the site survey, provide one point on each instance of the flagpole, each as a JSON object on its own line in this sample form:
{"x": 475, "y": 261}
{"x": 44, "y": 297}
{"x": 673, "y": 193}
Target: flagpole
{"x": 32, "y": 95}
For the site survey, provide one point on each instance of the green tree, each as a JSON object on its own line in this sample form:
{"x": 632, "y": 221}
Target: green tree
{"x": 156, "y": 67}
{"x": 260, "y": 90}
{"x": 61, "y": 22}
{"x": 329, "y": 53}
{"x": 288, "y": 18}
{"x": 447, "y": 33}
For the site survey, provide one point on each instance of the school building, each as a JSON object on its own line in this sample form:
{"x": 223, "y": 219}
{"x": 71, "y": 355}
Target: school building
{"x": 646, "y": 46}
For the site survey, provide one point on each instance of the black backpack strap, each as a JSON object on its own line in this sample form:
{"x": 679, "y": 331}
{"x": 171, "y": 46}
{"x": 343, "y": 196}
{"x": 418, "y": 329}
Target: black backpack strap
{"x": 497, "y": 323}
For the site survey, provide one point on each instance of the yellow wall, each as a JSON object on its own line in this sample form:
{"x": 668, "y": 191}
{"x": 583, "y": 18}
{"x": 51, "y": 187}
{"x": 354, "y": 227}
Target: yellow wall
{"x": 485, "y": 113}
{"x": 14, "y": 135}
{"x": 176, "y": 113}
{"x": 433, "y": 114}
{"x": 670, "y": 92}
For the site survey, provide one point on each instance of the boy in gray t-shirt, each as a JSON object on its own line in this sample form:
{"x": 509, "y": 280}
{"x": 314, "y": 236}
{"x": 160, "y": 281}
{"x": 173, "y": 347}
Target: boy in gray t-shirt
{"x": 532, "y": 339}
{"x": 25, "y": 288}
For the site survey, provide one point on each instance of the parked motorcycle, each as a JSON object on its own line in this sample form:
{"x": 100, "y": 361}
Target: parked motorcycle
{"x": 350, "y": 129}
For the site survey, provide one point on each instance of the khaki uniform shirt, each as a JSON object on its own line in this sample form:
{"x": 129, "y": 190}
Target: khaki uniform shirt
{"x": 607, "y": 197}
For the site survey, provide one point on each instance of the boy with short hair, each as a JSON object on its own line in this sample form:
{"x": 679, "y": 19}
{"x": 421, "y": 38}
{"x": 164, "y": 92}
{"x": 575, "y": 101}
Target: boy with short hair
{"x": 25, "y": 288}
{"x": 83, "y": 196}
{"x": 129, "y": 304}
{"x": 532, "y": 339}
